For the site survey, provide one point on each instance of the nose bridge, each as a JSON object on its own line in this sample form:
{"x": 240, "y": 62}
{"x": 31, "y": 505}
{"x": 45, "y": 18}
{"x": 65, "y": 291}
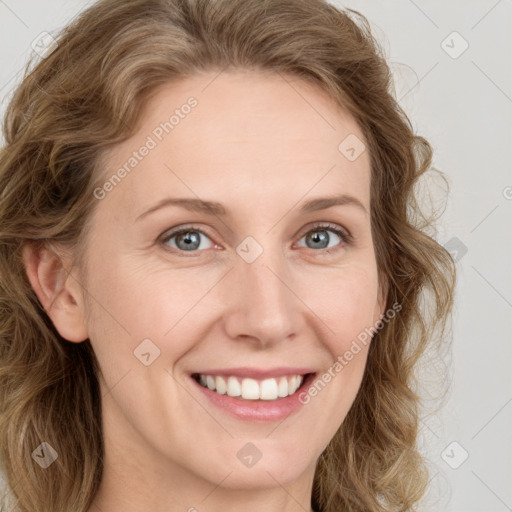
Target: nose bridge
{"x": 266, "y": 308}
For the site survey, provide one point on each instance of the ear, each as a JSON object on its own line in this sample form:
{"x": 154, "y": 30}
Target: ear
{"x": 58, "y": 291}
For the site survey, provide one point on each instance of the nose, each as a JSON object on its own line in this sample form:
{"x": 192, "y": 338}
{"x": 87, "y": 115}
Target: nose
{"x": 263, "y": 307}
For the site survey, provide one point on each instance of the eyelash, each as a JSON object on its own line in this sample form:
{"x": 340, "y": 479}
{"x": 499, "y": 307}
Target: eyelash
{"x": 345, "y": 236}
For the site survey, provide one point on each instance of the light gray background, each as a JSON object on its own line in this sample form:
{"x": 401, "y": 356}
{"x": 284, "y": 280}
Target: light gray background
{"x": 463, "y": 106}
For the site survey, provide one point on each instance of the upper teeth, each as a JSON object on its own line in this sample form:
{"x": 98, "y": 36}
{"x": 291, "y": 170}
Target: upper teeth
{"x": 251, "y": 389}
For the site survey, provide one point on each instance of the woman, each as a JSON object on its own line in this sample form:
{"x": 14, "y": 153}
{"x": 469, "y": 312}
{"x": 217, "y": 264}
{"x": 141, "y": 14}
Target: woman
{"x": 213, "y": 286}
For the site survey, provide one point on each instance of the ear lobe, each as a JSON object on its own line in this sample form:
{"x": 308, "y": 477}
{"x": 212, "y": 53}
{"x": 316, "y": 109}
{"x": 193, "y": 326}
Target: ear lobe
{"x": 56, "y": 289}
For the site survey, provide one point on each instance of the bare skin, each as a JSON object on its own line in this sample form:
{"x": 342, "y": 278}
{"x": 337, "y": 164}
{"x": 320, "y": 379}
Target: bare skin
{"x": 261, "y": 148}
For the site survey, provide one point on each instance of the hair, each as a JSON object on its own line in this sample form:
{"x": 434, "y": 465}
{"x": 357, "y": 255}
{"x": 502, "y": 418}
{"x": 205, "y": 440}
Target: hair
{"x": 87, "y": 95}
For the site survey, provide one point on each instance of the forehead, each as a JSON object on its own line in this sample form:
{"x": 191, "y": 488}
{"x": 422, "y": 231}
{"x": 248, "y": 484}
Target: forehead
{"x": 248, "y": 136}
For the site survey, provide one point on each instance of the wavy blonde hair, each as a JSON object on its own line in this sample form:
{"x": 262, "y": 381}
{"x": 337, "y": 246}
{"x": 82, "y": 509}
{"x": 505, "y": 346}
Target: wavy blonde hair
{"x": 88, "y": 94}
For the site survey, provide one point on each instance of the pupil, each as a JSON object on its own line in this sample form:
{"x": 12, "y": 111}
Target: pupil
{"x": 318, "y": 238}
{"x": 189, "y": 239}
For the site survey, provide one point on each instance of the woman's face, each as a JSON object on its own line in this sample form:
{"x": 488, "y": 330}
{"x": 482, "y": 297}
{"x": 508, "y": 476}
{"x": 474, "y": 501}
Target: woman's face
{"x": 259, "y": 290}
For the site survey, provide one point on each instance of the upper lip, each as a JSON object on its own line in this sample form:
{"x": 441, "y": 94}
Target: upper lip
{"x": 257, "y": 373}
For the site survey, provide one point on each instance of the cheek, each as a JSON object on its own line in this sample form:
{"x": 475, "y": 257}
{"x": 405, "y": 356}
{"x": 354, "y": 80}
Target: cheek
{"x": 133, "y": 303}
{"x": 346, "y": 304}
{"x": 138, "y": 298}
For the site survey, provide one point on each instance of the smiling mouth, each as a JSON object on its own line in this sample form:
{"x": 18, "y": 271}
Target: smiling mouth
{"x": 252, "y": 389}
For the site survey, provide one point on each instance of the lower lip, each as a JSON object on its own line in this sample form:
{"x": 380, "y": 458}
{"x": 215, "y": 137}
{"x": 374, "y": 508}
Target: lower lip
{"x": 257, "y": 410}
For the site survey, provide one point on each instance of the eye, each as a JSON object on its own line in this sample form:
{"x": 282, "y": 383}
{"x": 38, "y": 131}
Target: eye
{"x": 189, "y": 239}
{"x": 320, "y": 241}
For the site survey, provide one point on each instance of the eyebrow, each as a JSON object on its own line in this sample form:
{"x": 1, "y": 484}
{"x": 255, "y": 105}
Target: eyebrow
{"x": 217, "y": 209}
